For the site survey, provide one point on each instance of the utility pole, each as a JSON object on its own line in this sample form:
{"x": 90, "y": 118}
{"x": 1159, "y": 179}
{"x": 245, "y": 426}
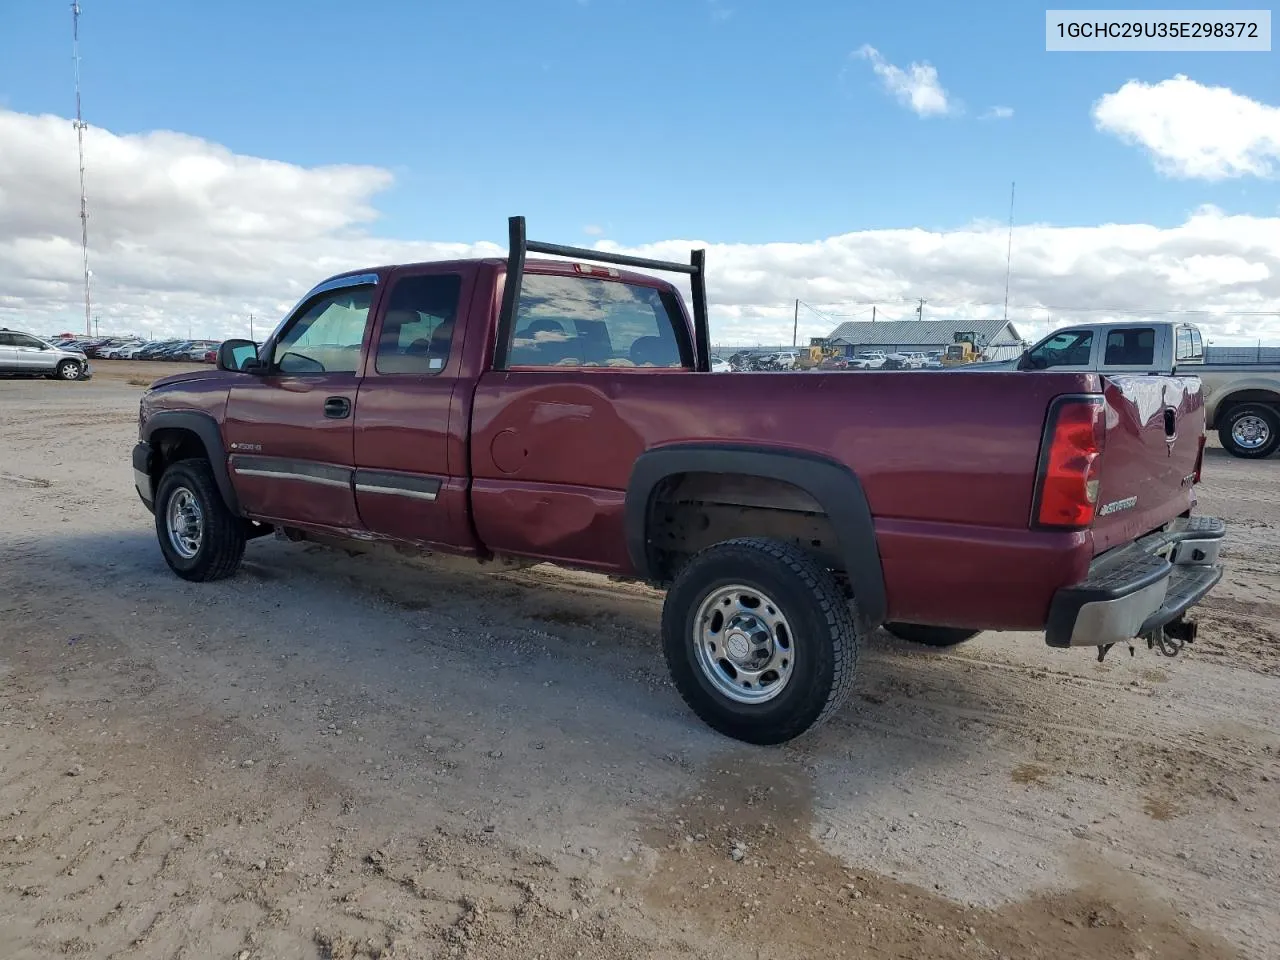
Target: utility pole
{"x": 920, "y": 309}
{"x": 251, "y": 336}
{"x": 1008, "y": 262}
{"x": 84, "y": 204}
{"x": 873, "y": 313}
{"x": 795, "y": 324}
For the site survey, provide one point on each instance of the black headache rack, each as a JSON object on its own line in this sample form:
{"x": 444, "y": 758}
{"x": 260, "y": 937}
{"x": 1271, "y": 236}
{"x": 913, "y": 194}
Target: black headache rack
{"x": 520, "y": 246}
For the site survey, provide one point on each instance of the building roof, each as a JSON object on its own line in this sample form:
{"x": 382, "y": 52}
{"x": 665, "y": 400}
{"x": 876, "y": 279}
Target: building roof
{"x": 933, "y": 332}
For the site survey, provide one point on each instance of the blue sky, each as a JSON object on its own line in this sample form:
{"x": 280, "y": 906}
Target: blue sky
{"x": 731, "y": 121}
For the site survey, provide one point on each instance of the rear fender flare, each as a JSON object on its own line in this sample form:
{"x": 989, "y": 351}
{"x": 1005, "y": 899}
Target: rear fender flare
{"x": 831, "y": 484}
{"x": 206, "y": 430}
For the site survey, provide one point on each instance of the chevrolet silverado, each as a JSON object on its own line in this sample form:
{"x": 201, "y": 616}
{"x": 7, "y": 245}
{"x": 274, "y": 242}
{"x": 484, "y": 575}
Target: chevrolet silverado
{"x": 562, "y": 410}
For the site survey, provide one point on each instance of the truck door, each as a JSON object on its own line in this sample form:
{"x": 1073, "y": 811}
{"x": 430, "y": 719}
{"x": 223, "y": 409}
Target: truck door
{"x": 289, "y": 430}
{"x": 413, "y": 411}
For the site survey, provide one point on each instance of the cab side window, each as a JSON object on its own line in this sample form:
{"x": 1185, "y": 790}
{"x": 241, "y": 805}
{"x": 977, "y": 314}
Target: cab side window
{"x": 1134, "y": 347}
{"x": 327, "y": 336}
{"x": 584, "y": 322}
{"x": 418, "y": 324}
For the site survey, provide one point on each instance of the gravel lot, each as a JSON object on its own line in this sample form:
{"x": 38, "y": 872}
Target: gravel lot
{"x": 336, "y": 756}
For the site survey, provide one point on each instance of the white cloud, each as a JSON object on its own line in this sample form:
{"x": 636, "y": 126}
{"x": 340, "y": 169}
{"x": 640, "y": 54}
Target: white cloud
{"x": 998, "y": 113}
{"x": 916, "y": 87}
{"x": 183, "y": 231}
{"x": 593, "y": 230}
{"x": 1194, "y": 131}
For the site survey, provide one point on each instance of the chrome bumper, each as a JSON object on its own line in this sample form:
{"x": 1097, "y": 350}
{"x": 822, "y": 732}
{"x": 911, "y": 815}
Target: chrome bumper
{"x": 1136, "y": 590}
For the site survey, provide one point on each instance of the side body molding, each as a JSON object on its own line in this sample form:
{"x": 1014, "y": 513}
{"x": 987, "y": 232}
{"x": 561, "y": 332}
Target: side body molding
{"x": 206, "y": 428}
{"x": 833, "y": 485}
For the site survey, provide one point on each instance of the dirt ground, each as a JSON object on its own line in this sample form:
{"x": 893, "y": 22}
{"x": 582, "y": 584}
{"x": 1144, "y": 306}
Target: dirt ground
{"x": 353, "y": 757}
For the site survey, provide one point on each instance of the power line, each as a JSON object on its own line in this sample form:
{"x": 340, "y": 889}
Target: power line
{"x": 84, "y": 204}
{"x": 1123, "y": 311}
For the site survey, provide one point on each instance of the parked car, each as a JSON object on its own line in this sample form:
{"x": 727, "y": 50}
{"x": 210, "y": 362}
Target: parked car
{"x": 119, "y": 349}
{"x": 463, "y": 407}
{"x": 870, "y": 360}
{"x": 1242, "y": 401}
{"x": 192, "y": 350}
{"x": 154, "y": 349}
{"x": 719, "y": 365}
{"x": 22, "y": 354}
{"x": 904, "y": 361}
{"x": 784, "y": 360}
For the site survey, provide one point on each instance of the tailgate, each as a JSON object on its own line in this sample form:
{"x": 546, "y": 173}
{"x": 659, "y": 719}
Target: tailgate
{"x": 1154, "y": 429}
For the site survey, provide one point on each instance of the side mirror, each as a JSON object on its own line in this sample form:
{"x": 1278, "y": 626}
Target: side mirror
{"x": 238, "y": 356}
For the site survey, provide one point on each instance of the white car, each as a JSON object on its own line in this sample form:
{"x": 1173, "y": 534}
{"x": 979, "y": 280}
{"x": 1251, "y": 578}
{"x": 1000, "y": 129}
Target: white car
{"x": 786, "y": 360}
{"x": 719, "y": 365}
{"x": 907, "y": 361}
{"x": 871, "y": 360}
{"x": 122, "y": 351}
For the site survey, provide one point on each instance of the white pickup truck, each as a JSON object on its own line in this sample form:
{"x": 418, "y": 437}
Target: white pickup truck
{"x": 1242, "y": 401}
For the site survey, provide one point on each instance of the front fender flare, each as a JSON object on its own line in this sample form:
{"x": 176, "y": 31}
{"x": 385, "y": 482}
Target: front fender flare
{"x": 831, "y": 484}
{"x": 206, "y": 429}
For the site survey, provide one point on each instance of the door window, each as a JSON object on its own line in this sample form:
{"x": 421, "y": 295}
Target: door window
{"x": 1135, "y": 347}
{"x": 1067, "y": 349}
{"x": 418, "y": 324}
{"x": 585, "y": 322}
{"x": 326, "y": 337}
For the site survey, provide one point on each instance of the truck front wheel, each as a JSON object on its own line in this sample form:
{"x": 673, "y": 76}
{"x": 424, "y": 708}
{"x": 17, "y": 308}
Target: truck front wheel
{"x": 760, "y": 639}
{"x": 199, "y": 537}
{"x": 1251, "y": 431}
{"x": 930, "y": 636}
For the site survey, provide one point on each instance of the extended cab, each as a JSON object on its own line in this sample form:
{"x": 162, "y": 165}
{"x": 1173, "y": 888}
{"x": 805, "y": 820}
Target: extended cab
{"x": 563, "y": 411}
{"x": 1241, "y": 401}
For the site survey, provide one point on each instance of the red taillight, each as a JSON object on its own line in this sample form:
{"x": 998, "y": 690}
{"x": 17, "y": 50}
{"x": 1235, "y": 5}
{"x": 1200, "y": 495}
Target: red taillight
{"x": 1199, "y": 459}
{"x": 1070, "y": 463}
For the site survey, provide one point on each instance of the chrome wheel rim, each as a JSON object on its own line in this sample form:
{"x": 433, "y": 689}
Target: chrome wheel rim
{"x": 70, "y": 371}
{"x": 744, "y": 645}
{"x": 1250, "y": 432}
{"x": 184, "y": 521}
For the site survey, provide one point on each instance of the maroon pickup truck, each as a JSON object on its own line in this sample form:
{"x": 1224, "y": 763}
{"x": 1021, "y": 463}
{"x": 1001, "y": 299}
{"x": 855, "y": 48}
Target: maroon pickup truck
{"x": 563, "y": 410}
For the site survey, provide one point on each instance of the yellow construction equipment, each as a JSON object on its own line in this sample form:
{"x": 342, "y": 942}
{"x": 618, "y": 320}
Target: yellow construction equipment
{"x": 962, "y": 351}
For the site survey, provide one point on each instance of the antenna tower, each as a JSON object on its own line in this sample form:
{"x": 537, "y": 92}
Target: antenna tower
{"x": 84, "y": 203}
{"x": 1008, "y": 263}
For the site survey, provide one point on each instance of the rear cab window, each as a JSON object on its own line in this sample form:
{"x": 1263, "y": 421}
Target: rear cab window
{"x": 572, "y": 321}
{"x": 1188, "y": 345}
{"x": 418, "y": 324}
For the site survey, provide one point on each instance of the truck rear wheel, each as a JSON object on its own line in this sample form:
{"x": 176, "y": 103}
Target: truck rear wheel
{"x": 930, "y": 636}
{"x": 760, "y": 639}
{"x": 199, "y": 537}
{"x": 1251, "y": 431}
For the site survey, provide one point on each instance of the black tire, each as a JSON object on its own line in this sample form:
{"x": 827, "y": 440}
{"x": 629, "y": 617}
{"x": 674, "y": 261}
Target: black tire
{"x": 222, "y": 534}
{"x": 68, "y": 370}
{"x": 1265, "y": 423}
{"x": 822, "y": 633}
{"x": 930, "y": 636}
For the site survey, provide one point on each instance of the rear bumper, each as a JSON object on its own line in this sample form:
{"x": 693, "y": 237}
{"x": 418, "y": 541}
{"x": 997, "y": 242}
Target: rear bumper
{"x": 1136, "y": 590}
{"x": 142, "y": 474}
